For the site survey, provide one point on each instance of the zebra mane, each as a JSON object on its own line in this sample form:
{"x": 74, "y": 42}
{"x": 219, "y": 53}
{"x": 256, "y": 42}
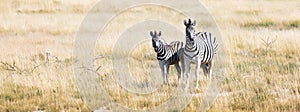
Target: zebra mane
{"x": 198, "y": 33}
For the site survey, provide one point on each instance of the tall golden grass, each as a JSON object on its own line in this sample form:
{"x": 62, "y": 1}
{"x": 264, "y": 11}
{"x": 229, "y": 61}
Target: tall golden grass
{"x": 262, "y": 49}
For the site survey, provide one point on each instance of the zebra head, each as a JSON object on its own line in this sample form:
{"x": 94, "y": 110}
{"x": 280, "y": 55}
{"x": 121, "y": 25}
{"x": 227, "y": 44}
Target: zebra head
{"x": 157, "y": 41}
{"x": 190, "y": 30}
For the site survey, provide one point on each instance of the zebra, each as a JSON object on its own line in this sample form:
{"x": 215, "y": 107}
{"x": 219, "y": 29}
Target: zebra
{"x": 167, "y": 54}
{"x": 200, "y": 49}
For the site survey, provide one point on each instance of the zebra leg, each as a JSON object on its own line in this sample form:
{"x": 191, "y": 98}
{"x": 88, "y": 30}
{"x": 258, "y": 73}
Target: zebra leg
{"x": 198, "y": 63}
{"x": 205, "y": 69}
{"x": 187, "y": 73}
{"x": 210, "y": 65}
{"x": 178, "y": 70}
{"x": 162, "y": 71}
{"x": 166, "y": 76}
{"x": 182, "y": 66}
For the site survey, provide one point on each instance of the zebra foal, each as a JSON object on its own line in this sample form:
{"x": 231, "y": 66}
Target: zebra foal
{"x": 200, "y": 49}
{"x": 167, "y": 54}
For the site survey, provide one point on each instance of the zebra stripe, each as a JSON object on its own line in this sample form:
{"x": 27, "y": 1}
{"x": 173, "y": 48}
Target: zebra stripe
{"x": 210, "y": 46}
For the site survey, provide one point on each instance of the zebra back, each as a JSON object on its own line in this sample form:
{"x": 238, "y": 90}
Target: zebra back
{"x": 172, "y": 52}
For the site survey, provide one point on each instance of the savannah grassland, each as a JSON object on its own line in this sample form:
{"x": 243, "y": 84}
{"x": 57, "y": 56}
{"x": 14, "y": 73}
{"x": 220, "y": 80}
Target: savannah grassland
{"x": 262, "y": 49}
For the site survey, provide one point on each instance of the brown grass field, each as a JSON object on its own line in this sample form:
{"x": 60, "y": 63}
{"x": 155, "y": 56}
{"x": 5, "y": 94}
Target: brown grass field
{"x": 261, "y": 41}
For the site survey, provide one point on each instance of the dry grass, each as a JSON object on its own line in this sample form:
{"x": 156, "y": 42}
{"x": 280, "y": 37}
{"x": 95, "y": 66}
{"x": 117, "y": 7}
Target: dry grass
{"x": 36, "y": 56}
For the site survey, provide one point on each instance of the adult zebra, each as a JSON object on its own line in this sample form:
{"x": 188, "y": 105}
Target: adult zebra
{"x": 167, "y": 54}
{"x": 200, "y": 49}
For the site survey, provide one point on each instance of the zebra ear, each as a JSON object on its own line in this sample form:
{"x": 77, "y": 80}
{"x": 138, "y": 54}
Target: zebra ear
{"x": 194, "y": 24}
{"x": 159, "y": 33}
{"x": 190, "y": 22}
{"x": 151, "y": 33}
{"x": 185, "y": 23}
